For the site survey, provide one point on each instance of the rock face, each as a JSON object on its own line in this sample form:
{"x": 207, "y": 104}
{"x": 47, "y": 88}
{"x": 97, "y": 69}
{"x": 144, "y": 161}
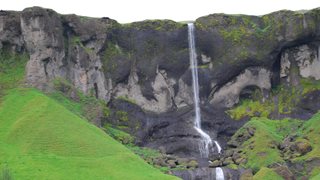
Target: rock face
{"x": 148, "y": 63}
{"x": 228, "y": 95}
{"x": 305, "y": 58}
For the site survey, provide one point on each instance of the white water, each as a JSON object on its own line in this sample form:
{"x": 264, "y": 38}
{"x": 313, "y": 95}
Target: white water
{"x": 206, "y": 141}
{"x": 218, "y": 146}
{"x": 219, "y": 174}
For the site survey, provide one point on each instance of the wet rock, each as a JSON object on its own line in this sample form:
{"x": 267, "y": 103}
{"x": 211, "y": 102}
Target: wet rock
{"x": 302, "y": 147}
{"x": 228, "y": 153}
{"x": 284, "y": 172}
{"x": 182, "y": 161}
{"x": 246, "y": 175}
{"x": 240, "y": 161}
{"x": 215, "y": 163}
{"x": 227, "y": 161}
{"x": 251, "y": 131}
{"x": 236, "y": 156}
{"x": 192, "y": 164}
{"x": 172, "y": 163}
{"x": 160, "y": 162}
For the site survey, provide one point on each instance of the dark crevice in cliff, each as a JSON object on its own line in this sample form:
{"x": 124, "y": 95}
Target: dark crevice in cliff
{"x": 275, "y": 79}
{"x": 45, "y": 64}
{"x": 96, "y": 90}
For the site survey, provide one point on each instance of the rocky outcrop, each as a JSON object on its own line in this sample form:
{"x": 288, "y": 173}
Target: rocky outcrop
{"x": 233, "y": 43}
{"x": 162, "y": 90}
{"x": 64, "y": 47}
{"x": 148, "y": 61}
{"x": 305, "y": 59}
{"x": 228, "y": 95}
{"x": 10, "y": 32}
{"x": 41, "y": 30}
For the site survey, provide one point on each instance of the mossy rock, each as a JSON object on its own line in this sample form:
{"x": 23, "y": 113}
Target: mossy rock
{"x": 267, "y": 174}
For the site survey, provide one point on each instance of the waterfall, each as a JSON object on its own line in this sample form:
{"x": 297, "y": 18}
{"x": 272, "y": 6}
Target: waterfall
{"x": 219, "y": 174}
{"x": 218, "y": 146}
{"x": 206, "y": 142}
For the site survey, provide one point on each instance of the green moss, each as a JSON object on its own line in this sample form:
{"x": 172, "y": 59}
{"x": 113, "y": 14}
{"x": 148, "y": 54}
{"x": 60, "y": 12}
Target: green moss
{"x": 235, "y": 35}
{"x": 157, "y": 25}
{"x": 84, "y": 18}
{"x": 75, "y": 40}
{"x": 310, "y": 132}
{"x": 282, "y": 100}
{"x": 122, "y": 116}
{"x": 233, "y": 166}
{"x": 261, "y": 149}
{"x": 85, "y": 106}
{"x": 250, "y": 108}
{"x": 309, "y": 85}
{"x": 204, "y": 66}
{"x": 267, "y": 174}
{"x": 12, "y": 70}
{"x": 124, "y": 98}
{"x": 118, "y": 135}
{"x": 110, "y": 54}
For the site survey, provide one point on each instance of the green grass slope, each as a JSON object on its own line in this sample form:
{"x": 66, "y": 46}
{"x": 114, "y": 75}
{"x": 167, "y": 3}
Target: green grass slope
{"x": 40, "y": 139}
{"x": 261, "y": 149}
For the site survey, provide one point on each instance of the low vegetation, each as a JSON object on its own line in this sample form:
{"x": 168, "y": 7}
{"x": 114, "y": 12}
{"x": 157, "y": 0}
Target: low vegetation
{"x": 282, "y": 100}
{"x": 47, "y": 136}
{"x": 40, "y": 139}
{"x": 266, "y": 143}
{"x": 12, "y": 71}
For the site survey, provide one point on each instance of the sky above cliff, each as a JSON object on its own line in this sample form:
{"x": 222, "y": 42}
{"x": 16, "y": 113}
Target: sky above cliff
{"x": 179, "y": 10}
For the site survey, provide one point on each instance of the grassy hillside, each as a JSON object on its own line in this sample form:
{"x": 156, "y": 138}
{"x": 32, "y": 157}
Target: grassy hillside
{"x": 40, "y": 139}
{"x": 262, "y": 149}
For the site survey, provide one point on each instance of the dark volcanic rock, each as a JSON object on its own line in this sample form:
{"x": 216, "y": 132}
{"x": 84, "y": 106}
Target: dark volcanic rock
{"x": 173, "y": 131}
{"x": 205, "y": 174}
{"x": 233, "y": 43}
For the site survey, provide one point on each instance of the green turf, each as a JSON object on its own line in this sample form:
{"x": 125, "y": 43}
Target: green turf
{"x": 266, "y": 174}
{"x": 261, "y": 149}
{"x": 40, "y": 139}
{"x": 310, "y": 131}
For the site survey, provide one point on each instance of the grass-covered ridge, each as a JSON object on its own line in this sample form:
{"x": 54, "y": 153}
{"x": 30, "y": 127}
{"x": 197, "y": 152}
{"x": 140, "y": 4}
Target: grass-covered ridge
{"x": 40, "y": 139}
{"x": 266, "y": 144}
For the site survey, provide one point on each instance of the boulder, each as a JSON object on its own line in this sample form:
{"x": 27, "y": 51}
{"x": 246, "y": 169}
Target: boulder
{"x": 302, "y": 147}
{"x": 284, "y": 172}
{"x": 172, "y": 163}
{"x": 192, "y": 164}
{"x": 246, "y": 175}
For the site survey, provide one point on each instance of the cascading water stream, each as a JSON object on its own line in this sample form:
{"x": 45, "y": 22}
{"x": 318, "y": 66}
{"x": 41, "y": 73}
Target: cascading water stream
{"x": 219, "y": 174}
{"x": 206, "y": 142}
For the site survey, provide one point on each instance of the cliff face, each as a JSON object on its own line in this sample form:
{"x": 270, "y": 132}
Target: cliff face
{"x": 147, "y": 63}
